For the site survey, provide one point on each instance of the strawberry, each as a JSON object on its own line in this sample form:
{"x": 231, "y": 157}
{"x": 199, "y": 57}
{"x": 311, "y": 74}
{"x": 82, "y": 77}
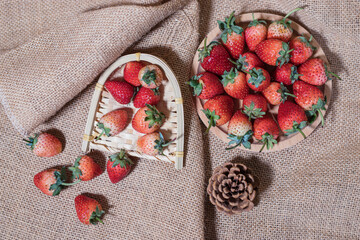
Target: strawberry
{"x": 291, "y": 118}
{"x": 218, "y": 110}
{"x": 151, "y": 76}
{"x": 276, "y": 93}
{"x": 248, "y": 61}
{"x": 131, "y": 72}
{"x": 281, "y": 29}
{"x": 85, "y": 168}
{"x": 235, "y": 84}
{"x": 214, "y": 58}
{"x": 255, "y": 106}
{"x": 267, "y": 131}
{"x": 287, "y": 74}
{"x": 113, "y": 122}
{"x": 258, "y": 78}
{"x": 273, "y": 52}
{"x": 121, "y": 91}
{"x": 206, "y": 85}
{"x": 88, "y": 210}
{"x": 118, "y": 166}
{"x": 315, "y": 72}
{"x": 255, "y": 33}
{"x": 50, "y": 181}
{"x": 232, "y": 36}
{"x": 311, "y": 99}
{"x": 152, "y": 144}
{"x": 148, "y": 119}
{"x": 303, "y": 50}
{"x": 44, "y": 145}
{"x": 146, "y": 96}
{"x": 239, "y": 130}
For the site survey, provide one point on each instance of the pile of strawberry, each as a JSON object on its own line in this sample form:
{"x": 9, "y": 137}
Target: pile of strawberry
{"x": 147, "y": 120}
{"x": 276, "y": 69}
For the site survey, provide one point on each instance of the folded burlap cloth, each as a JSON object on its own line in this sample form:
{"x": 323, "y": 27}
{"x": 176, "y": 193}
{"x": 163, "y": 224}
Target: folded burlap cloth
{"x": 51, "y": 53}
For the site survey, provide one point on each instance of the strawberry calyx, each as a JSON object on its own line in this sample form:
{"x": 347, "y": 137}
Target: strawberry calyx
{"x": 76, "y": 172}
{"x": 162, "y": 143}
{"x": 60, "y": 178}
{"x": 328, "y": 73}
{"x": 307, "y": 42}
{"x": 153, "y": 115}
{"x": 255, "y": 22}
{"x": 156, "y": 91}
{"x": 285, "y": 22}
{"x": 316, "y": 111}
{"x": 229, "y": 77}
{"x": 206, "y": 50}
{"x": 241, "y": 63}
{"x": 294, "y": 75}
{"x": 120, "y": 158}
{"x": 196, "y": 84}
{"x": 212, "y": 118}
{"x": 32, "y": 141}
{"x": 95, "y": 216}
{"x": 284, "y": 55}
{"x": 268, "y": 141}
{"x": 238, "y": 140}
{"x": 284, "y": 93}
{"x": 104, "y": 130}
{"x": 228, "y": 27}
{"x": 257, "y": 76}
{"x": 149, "y": 77}
{"x": 296, "y": 128}
{"x": 253, "y": 112}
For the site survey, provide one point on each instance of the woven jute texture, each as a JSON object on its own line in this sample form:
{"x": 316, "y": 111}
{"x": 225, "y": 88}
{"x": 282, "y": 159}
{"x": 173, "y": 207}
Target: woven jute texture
{"x": 52, "y": 52}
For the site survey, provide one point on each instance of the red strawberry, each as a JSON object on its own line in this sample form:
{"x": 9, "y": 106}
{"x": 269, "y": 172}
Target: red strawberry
{"x": 232, "y": 36}
{"x": 131, "y": 72}
{"x": 118, "y": 166}
{"x": 152, "y": 144}
{"x": 267, "y": 131}
{"x": 121, "y": 91}
{"x": 273, "y": 52}
{"x": 214, "y": 58}
{"x": 218, "y": 110}
{"x": 148, "y": 119}
{"x": 276, "y": 93}
{"x": 235, "y": 84}
{"x": 239, "y": 130}
{"x": 291, "y": 118}
{"x": 44, "y": 145}
{"x": 206, "y": 85}
{"x": 50, "y": 181}
{"x": 303, "y": 50}
{"x": 151, "y": 76}
{"x": 85, "y": 168}
{"x": 146, "y": 96}
{"x": 258, "y": 79}
{"x": 255, "y": 106}
{"x": 113, "y": 122}
{"x": 310, "y": 98}
{"x": 286, "y": 74}
{"x": 248, "y": 61}
{"x": 88, "y": 210}
{"x": 281, "y": 29}
{"x": 314, "y": 71}
{"x": 255, "y": 33}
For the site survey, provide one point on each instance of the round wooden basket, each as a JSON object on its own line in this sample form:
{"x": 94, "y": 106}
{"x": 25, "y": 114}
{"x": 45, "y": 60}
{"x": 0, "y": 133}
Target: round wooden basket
{"x": 283, "y": 141}
{"x": 171, "y": 104}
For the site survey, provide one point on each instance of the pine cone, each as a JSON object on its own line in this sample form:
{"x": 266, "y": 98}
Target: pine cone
{"x": 232, "y": 188}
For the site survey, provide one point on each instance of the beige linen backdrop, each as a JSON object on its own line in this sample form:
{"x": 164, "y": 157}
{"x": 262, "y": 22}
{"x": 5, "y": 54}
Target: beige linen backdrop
{"x": 51, "y": 52}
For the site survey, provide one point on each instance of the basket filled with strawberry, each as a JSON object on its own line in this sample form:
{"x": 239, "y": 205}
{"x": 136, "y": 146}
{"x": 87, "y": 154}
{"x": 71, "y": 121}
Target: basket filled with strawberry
{"x": 137, "y": 107}
{"x": 261, "y": 82}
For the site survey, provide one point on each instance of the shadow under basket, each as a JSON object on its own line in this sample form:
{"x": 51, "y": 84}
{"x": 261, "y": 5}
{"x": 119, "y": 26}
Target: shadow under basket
{"x": 171, "y": 104}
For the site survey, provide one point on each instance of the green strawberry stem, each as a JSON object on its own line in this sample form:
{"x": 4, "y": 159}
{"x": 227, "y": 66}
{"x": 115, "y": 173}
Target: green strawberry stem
{"x": 302, "y": 133}
{"x": 291, "y": 12}
{"x": 321, "y": 116}
{"x": 230, "y": 17}
{"x": 208, "y": 129}
{"x": 102, "y": 132}
{"x": 99, "y": 220}
{"x": 265, "y": 143}
{"x": 70, "y": 184}
{"x": 335, "y": 75}
{"x": 235, "y": 146}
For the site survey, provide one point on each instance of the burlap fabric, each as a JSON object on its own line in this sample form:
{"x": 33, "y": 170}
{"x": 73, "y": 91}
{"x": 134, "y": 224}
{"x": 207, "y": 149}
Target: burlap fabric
{"x": 310, "y": 191}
